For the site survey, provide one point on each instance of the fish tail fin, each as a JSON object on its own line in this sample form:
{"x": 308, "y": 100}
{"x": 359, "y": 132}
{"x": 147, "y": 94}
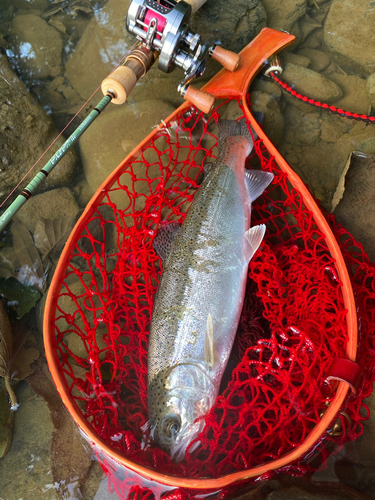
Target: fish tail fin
{"x": 256, "y": 182}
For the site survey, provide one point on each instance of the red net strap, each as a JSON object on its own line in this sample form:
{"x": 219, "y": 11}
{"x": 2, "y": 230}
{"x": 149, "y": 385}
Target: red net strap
{"x": 346, "y": 371}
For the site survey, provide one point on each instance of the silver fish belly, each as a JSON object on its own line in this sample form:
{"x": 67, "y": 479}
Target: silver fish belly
{"x": 198, "y": 305}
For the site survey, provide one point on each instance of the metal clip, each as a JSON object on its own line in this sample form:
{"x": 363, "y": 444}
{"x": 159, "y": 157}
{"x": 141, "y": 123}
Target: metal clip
{"x": 336, "y": 429}
{"x": 151, "y": 33}
{"x": 273, "y": 66}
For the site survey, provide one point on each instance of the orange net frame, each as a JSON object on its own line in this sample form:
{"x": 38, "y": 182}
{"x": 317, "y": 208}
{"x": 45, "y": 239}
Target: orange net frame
{"x": 292, "y": 326}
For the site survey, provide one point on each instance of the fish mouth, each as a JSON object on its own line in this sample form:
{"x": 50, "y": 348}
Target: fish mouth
{"x": 177, "y": 452}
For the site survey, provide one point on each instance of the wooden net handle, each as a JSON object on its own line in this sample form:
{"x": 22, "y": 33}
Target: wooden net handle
{"x": 230, "y": 60}
{"x": 202, "y": 100}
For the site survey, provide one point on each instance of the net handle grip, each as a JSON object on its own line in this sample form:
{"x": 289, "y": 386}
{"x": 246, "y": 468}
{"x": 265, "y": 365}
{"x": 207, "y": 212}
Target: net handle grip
{"x": 202, "y": 100}
{"x": 228, "y": 59}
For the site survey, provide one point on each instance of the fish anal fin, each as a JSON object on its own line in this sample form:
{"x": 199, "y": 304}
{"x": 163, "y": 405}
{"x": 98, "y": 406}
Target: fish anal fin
{"x": 209, "y": 355}
{"x": 254, "y": 237}
{"x": 256, "y": 182}
{"x": 163, "y": 240}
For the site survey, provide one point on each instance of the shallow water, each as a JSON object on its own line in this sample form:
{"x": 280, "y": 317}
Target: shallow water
{"x": 91, "y": 38}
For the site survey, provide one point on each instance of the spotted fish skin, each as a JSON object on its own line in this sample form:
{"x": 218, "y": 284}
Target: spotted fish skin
{"x": 200, "y": 295}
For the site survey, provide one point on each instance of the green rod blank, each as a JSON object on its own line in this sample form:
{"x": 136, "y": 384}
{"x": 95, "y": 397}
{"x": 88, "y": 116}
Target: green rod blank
{"x": 42, "y": 174}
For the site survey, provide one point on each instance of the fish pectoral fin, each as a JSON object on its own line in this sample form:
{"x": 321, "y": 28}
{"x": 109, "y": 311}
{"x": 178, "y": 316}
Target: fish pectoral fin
{"x": 210, "y": 342}
{"x": 256, "y": 182}
{"x": 163, "y": 240}
{"x": 254, "y": 237}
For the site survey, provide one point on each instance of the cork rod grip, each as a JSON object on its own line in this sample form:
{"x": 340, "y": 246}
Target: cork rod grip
{"x": 122, "y": 81}
{"x": 195, "y": 4}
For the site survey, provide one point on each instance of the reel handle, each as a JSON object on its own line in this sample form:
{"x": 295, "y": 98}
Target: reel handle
{"x": 122, "y": 81}
{"x": 230, "y": 60}
{"x": 202, "y": 100}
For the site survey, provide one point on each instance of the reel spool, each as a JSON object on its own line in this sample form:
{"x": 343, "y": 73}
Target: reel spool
{"x": 163, "y": 29}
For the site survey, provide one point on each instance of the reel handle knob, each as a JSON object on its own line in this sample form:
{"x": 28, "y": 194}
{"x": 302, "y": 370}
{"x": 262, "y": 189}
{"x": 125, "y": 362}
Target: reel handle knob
{"x": 202, "y": 100}
{"x": 230, "y": 60}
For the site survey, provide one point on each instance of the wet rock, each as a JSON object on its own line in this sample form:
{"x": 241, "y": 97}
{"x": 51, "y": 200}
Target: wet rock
{"x": 26, "y": 468}
{"x": 289, "y": 488}
{"x": 365, "y": 444}
{"x": 235, "y": 25}
{"x": 36, "y": 45}
{"x": 49, "y": 205}
{"x": 103, "y": 44}
{"x": 25, "y": 132}
{"x": 307, "y": 26}
{"x": 121, "y": 129}
{"x": 319, "y": 60}
{"x": 273, "y": 122}
{"x": 290, "y": 57}
{"x": 355, "y": 212}
{"x": 267, "y": 85}
{"x": 83, "y": 192}
{"x": 333, "y": 127}
{"x": 363, "y": 141}
{"x": 370, "y": 89}
{"x": 283, "y": 14}
{"x": 99, "y": 49}
{"x": 315, "y": 39}
{"x": 349, "y": 35}
{"x": 71, "y": 95}
{"x": 355, "y": 98}
{"x": 30, "y": 4}
{"x": 56, "y": 83}
{"x": 311, "y": 84}
{"x": 56, "y": 71}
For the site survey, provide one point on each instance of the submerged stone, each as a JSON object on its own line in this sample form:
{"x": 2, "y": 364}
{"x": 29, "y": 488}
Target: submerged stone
{"x": 311, "y": 84}
{"x": 37, "y": 46}
{"x": 25, "y": 133}
{"x": 349, "y": 35}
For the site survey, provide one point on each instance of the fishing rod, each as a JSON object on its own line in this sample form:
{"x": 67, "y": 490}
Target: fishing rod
{"x": 162, "y": 28}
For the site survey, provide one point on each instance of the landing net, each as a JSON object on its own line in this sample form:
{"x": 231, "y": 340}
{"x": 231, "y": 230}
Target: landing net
{"x": 292, "y": 326}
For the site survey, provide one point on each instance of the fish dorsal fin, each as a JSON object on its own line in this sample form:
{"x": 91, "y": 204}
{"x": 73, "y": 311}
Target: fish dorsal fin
{"x": 210, "y": 342}
{"x": 254, "y": 237}
{"x": 163, "y": 240}
{"x": 256, "y": 182}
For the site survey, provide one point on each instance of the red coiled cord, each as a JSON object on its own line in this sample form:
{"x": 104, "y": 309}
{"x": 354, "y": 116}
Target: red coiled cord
{"x": 332, "y": 109}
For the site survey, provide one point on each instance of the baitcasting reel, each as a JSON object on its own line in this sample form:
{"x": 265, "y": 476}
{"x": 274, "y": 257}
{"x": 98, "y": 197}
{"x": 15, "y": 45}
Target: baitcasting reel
{"x": 162, "y": 27}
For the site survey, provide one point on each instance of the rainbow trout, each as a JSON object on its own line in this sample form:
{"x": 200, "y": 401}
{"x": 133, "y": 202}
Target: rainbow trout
{"x": 201, "y": 292}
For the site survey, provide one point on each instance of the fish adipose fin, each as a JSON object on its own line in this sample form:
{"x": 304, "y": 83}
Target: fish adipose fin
{"x": 254, "y": 237}
{"x": 256, "y": 182}
{"x": 210, "y": 342}
{"x": 163, "y": 240}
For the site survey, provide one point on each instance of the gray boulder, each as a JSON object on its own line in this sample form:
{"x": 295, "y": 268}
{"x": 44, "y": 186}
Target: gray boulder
{"x": 349, "y": 35}
{"x": 25, "y": 132}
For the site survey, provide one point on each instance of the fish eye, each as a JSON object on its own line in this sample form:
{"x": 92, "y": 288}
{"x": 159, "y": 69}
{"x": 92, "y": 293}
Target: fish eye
{"x": 170, "y": 425}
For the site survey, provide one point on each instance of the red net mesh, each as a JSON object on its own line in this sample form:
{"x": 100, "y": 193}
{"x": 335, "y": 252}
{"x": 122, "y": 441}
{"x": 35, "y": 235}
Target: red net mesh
{"x": 292, "y": 327}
